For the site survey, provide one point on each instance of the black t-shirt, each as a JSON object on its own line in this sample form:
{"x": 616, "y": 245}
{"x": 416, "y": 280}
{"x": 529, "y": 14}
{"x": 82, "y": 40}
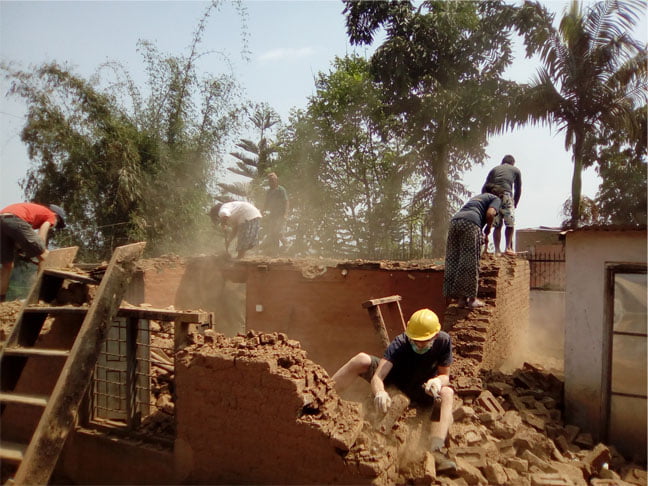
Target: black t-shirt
{"x": 411, "y": 370}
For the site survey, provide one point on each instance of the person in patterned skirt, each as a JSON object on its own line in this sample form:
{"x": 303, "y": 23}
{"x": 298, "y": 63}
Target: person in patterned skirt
{"x": 468, "y": 228}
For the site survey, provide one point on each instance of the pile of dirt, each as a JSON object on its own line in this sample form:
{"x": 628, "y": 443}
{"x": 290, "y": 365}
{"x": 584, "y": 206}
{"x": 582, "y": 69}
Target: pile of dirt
{"x": 8, "y": 313}
{"x": 508, "y": 428}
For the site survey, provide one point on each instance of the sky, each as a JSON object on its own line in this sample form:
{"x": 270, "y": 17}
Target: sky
{"x": 289, "y": 43}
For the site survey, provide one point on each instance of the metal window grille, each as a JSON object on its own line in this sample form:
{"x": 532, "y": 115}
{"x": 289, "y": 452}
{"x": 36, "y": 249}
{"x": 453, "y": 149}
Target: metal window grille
{"x": 132, "y": 389}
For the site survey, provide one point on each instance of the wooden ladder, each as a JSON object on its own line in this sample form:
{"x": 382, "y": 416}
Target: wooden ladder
{"x": 48, "y": 360}
{"x": 376, "y": 316}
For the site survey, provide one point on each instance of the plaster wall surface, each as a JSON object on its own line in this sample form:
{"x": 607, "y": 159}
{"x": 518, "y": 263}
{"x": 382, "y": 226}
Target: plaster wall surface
{"x": 325, "y": 313}
{"x": 92, "y": 458}
{"x": 545, "y": 338}
{"x": 587, "y": 254}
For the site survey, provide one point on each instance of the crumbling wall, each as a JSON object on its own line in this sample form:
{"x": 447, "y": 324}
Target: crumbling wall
{"x": 254, "y": 409}
{"x": 318, "y": 303}
{"x": 485, "y": 337}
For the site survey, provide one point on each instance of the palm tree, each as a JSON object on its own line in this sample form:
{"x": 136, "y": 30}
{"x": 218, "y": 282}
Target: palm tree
{"x": 593, "y": 77}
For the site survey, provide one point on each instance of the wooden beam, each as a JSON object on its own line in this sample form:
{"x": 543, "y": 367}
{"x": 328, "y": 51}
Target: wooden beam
{"x": 192, "y": 317}
{"x": 382, "y": 300}
{"x": 379, "y": 325}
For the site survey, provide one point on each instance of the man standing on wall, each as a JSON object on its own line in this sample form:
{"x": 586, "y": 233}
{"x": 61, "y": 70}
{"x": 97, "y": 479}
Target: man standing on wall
{"x": 509, "y": 177}
{"x": 17, "y": 225}
{"x": 277, "y": 206}
{"x": 418, "y": 363}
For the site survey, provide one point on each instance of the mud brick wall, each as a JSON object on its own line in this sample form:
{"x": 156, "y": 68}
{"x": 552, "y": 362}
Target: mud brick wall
{"x": 317, "y": 303}
{"x": 322, "y": 307}
{"x": 486, "y": 337}
{"x": 254, "y": 409}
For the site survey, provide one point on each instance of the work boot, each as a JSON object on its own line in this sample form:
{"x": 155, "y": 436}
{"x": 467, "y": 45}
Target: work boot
{"x": 443, "y": 464}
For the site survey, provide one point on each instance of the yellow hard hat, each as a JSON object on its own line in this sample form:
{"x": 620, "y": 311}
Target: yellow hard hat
{"x": 423, "y": 325}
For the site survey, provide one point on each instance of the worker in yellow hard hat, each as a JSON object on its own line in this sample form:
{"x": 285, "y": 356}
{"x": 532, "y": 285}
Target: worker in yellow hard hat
{"x": 418, "y": 363}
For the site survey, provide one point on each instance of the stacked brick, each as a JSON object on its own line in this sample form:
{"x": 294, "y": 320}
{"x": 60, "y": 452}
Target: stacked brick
{"x": 254, "y": 409}
{"x": 485, "y": 337}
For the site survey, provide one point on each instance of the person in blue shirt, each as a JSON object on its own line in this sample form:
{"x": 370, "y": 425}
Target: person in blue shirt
{"x": 418, "y": 363}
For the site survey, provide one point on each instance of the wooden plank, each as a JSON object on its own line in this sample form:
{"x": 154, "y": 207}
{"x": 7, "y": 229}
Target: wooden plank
{"x": 383, "y": 300}
{"x": 402, "y": 317}
{"x": 379, "y": 325}
{"x": 38, "y": 352}
{"x": 12, "y": 451}
{"x": 24, "y": 399}
{"x": 60, "y": 258}
{"x": 77, "y": 277}
{"x": 193, "y": 317}
{"x": 61, "y": 411}
{"x": 56, "y": 310}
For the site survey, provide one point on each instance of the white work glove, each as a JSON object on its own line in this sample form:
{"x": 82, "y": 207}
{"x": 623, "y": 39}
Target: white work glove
{"x": 433, "y": 387}
{"x": 382, "y": 401}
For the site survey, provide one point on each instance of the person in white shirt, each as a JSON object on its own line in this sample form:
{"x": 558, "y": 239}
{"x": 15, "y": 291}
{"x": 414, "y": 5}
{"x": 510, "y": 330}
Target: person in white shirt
{"x": 240, "y": 220}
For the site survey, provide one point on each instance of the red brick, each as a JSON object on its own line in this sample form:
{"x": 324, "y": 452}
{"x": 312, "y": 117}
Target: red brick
{"x": 596, "y": 458}
{"x": 462, "y": 412}
{"x": 472, "y": 455}
{"x": 469, "y": 473}
{"x": 636, "y": 476}
{"x": 542, "y": 479}
{"x": 490, "y": 403}
{"x": 495, "y": 474}
{"x": 517, "y": 464}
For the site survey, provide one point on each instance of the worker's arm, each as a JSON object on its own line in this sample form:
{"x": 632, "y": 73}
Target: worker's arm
{"x": 517, "y": 189}
{"x": 378, "y": 379}
{"x": 490, "y": 217}
{"x": 43, "y": 231}
{"x": 382, "y": 399}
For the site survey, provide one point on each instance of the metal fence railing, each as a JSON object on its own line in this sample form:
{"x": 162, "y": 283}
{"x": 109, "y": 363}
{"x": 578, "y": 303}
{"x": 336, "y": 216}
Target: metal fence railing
{"x": 547, "y": 268}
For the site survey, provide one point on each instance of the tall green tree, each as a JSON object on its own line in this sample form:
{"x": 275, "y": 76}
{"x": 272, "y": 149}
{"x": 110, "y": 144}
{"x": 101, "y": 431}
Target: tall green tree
{"x": 355, "y": 165}
{"x": 592, "y": 80}
{"x": 127, "y": 166}
{"x": 254, "y": 160}
{"x": 622, "y": 165}
{"x": 441, "y": 65}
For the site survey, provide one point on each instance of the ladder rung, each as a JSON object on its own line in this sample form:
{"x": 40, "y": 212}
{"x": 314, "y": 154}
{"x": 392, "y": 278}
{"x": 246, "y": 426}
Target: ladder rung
{"x": 57, "y": 310}
{"x": 27, "y": 352}
{"x": 24, "y": 399}
{"x": 77, "y": 277}
{"x": 12, "y": 451}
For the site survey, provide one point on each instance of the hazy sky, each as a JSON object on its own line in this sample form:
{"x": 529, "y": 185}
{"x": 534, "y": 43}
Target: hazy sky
{"x": 290, "y": 42}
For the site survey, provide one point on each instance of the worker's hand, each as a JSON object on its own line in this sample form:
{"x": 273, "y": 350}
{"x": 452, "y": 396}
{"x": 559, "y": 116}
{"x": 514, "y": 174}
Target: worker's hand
{"x": 433, "y": 387}
{"x": 382, "y": 401}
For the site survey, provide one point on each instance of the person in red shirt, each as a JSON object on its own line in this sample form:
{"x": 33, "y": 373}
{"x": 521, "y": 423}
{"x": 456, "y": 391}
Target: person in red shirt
{"x": 17, "y": 225}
